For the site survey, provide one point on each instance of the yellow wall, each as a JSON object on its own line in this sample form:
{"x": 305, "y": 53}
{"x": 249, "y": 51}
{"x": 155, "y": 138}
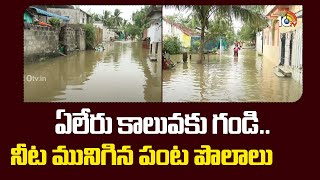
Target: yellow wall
{"x": 186, "y": 40}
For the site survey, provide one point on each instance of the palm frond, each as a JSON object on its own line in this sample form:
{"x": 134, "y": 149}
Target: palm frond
{"x": 179, "y": 7}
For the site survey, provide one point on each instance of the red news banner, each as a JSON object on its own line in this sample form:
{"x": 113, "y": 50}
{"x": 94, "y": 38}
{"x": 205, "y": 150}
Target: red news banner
{"x": 85, "y": 122}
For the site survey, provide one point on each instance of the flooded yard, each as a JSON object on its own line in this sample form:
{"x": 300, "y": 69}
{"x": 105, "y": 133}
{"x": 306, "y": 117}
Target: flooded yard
{"x": 224, "y": 78}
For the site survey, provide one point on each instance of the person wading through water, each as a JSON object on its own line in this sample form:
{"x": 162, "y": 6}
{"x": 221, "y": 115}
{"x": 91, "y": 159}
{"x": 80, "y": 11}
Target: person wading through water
{"x": 236, "y": 49}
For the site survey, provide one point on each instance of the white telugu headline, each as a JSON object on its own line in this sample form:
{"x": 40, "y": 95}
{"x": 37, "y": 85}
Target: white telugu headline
{"x": 87, "y": 123}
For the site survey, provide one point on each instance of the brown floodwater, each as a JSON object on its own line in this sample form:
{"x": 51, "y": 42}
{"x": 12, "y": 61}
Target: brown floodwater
{"x": 120, "y": 73}
{"x": 224, "y": 78}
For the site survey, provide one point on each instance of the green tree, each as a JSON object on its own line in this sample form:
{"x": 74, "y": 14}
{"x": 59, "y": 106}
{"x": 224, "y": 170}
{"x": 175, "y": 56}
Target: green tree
{"x": 131, "y": 30}
{"x": 140, "y": 20}
{"x": 107, "y": 19}
{"x": 172, "y": 45}
{"x": 117, "y": 20}
{"x": 247, "y": 33}
{"x": 203, "y": 13}
{"x": 221, "y": 27}
{"x": 249, "y": 30}
{"x": 96, "y": 17}
{"x": 190, "y": 21}
{"x": 172, "y": 18}
{"x": 55, "y": 22}
{"x": 90, "y": 35}
{"x": 124, "y": 23}
{"x": 193, "y": 20}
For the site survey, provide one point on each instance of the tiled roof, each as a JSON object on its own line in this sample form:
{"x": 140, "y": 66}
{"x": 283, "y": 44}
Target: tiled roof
{"x": 187, "y": 31}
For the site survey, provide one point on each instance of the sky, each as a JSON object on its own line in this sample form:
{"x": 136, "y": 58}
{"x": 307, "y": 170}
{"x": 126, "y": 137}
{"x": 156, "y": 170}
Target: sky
{"x": 126, "y": 10}
{"x": 171, "y": 11}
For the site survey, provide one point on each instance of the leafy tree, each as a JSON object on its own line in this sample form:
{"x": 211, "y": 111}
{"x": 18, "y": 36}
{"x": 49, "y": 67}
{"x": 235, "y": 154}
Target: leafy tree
{"x": 131, "y": 30}
{"x": 247, "y": 33}
{"x": 203, "y": 13}
{"x": 172, "y": 45}
{"x": 90, "y": 35}
{"x": 249, "y": 30}
{"x": 107, "y": 19}
{"x": 117, "y": 20}
{"x": 96, "y": 17}
{"x": 140, "y": 20}
{"x": 190, "y": 21}
{"x": 221, "y": 27}
{"x": 55, "y": 22}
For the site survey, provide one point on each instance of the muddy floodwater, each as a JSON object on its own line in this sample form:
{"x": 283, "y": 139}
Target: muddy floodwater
{"x": 120, "y": 73}
{"x": 223, "y": 78}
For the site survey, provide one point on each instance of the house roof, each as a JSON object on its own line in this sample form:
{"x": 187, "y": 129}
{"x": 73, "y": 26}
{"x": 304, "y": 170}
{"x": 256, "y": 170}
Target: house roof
{"x": 27, "y": 11}
{"x": 46, "y": 13}
{"x": 85, "y": 12}
{"x": 187, "y": 31}
{"x": 275, "y": 10}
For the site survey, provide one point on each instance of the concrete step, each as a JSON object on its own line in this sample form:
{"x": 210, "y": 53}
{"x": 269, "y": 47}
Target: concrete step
{"x": 153, "y": 58}
{"x": 285, "y": 71}
{"x": 276, "y": 72}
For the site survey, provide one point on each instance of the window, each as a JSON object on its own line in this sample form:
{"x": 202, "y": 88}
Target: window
{"x": 82, "y": 20}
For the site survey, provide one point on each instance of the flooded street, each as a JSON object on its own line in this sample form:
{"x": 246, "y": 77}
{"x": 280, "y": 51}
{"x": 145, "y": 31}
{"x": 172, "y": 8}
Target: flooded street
{"x": 120, "y": 73}
{"x": 248, "y": 78}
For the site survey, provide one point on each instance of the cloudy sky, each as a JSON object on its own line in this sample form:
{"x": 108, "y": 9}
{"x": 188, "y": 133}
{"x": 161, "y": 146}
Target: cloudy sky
{"x": 126, "y": 10}
{"x": 171, "y": 11}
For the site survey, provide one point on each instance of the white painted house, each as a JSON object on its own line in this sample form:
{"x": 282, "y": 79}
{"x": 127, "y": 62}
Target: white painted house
{"x": 155, "y": 30}
{"x": 170, "y": 30}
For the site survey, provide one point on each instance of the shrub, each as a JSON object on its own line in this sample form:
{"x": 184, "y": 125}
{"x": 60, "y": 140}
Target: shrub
{"x": 54, "y": 22}
{"x": 196, "y": 45}
{"x": 172, "y": 45}
{"x": 214, "y": 50}
{"x": 90, "y": 36}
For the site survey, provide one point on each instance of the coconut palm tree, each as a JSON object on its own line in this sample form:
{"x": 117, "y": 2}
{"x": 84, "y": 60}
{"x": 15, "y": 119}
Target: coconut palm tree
{"x": 194, "y": 22}
{"x": 124, "y": 23}
{"x": 107, "y": 19}
{"x": 117, "y": 20}
{"x": 204, "y": 13}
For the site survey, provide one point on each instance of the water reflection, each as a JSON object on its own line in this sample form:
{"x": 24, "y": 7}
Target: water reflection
{"x": 121, "y": 73}
{"x": 224, "y": 78}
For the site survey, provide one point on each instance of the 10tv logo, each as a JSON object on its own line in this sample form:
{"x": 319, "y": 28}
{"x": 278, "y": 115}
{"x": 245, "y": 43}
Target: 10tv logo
{"x": 288, "y": 20}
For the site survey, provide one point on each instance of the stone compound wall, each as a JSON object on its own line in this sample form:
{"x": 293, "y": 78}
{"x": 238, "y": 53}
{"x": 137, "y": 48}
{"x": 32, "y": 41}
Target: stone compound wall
{"x": 81, "y": 39}
{"x": 43, "y": 42}
{"x": 72, "y": 38}
{"x": 68, "y": 39}
{"x": 40, "y": 42}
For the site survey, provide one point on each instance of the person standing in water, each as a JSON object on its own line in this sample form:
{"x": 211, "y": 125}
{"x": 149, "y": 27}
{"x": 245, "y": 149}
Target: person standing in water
{"x": 236, "y": 49}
